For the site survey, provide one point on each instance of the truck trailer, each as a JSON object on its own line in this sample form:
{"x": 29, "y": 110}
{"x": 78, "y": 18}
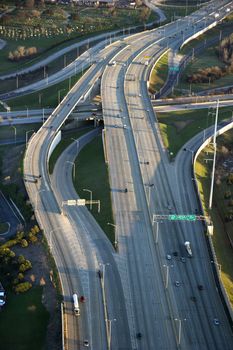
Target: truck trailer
{"x": 188, "y": 248}
{"x": 76, "y": 305}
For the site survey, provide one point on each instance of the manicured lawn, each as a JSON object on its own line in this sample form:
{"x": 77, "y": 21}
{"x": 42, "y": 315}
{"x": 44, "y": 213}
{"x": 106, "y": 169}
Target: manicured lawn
{"x": 23, "y": 321}
{"x": 65, "y": 142}
{"x": 3, "y": 227}
{"x": 178, "y": 127}
{"x": 91, "y": 21}
{"x": 92, "y": 174}
{"x": 8, "y": 132}
{"x": 207, "y": 59}
{"x": 220, "y": 207}
{"x": 48, "y": 97}
{"x": 159, "y": 74}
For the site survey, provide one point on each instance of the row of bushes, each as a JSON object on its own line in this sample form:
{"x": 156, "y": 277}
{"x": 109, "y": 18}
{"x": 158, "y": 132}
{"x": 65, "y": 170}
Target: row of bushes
{"x": 209, "y": 75}
{"x": 22, "y": 52}
{"x": 13, "y": 267}
{"x": 225, "y": 50}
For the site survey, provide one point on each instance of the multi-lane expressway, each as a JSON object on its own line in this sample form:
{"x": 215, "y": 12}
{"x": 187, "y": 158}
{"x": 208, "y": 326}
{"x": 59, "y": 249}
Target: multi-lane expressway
{"x": 152, "y": 304}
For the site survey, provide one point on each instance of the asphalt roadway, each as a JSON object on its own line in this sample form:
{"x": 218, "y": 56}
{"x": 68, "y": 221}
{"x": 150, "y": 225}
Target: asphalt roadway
{"x": 139, "y": 162}
{"x": 59, "y": 229}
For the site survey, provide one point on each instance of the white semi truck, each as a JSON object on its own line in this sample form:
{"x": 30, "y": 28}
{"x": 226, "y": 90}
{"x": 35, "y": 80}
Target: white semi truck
{"x": 76, "y": 305}
{"x": 188, "y": 248}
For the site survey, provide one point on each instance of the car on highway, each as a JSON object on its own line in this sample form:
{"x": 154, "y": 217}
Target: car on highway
{"x": 177, "y": 283}
{"x": 175, "y": 253}
{"x": 86, "y": 343}
{"x": 168, "y": 257}
{"x": 182, "y": 259}
{"x": 200, "y": 287}
{"x": 216, "y": 321}
{"x": 82, "y": 299}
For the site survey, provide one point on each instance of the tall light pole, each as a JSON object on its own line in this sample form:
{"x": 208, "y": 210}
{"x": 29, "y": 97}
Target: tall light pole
{"x": 15, "y": 131}
{"x": 59, "y": 96}
{"x": 214, "y": 161}
{"x": 68, "y": 161}
{"x": 179, "y": 328}
{"x": 86, "y": 190}
{"x": 77, "y": 143}
{"x": 109, "y": 322}
{"x": 149, "y": 194}
{"x": 167, "y": 275}
{"x": 191, "y": 151}
{"x": 115, "y": 240}
{"x": 27, "y": 136}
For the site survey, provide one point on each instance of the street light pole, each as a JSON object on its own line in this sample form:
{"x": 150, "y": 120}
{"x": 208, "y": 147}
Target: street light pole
{"x": 179, "y": 329}
{"x": 15, "y": 131}
{"x": 109, "y": 322}
{"x": 215, "y": 149}
{"x": 27, "y": 136}
{"x": 86, "y": 190}
{"x": 167, "y": 275}
{"x": 116, "y": 239}
{"x": 77, "y": 142}
{"x": 73, "y": 167}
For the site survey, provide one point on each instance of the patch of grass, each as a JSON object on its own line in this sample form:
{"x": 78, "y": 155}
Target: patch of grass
{"x": 23, "y": 321}
{"x": 3, "y": 227}
{"x": 48, "y": 97}
{"x": 64, "y": 143}
{"x": 174, "y": 12}
{"x": 179, "y": 127}
{"x": 92, "y": 174}
{"x": 89, "y": 23}
{"x": 8, "y": 132}
{"x": 221, "y": 242}
{"x": 159, "y": 74}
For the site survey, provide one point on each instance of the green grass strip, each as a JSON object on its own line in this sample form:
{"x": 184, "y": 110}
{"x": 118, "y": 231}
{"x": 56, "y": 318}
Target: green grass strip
{"x": 92, "y": 174}
{"x": 179, "y": 127}
{"x": 220, "y": 207}
{"x": 66, "y": 140}
{"x": 159, "y": 74}
{"x": 45, "y": 98}
{"x": 23, "y": 321}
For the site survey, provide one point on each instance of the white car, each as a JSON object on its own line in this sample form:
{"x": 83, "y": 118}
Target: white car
{"x": 168, "y": 257}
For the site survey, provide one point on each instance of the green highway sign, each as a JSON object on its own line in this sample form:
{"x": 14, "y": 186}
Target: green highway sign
{"x": 175, "y": 217}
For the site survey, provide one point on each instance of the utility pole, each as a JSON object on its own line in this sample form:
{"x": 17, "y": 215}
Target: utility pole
{"x": 215, "y": 149}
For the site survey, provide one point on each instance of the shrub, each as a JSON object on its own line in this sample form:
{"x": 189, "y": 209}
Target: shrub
{"x": 227, "y": 194}
{"x": 24, "y": 243}
{"x": 20, "y": 276}
{"x": 21, "y": 259}
{"x": 25, "y": 266}
{"x": 23, "y": 287}
{"x": 230, "y": 179}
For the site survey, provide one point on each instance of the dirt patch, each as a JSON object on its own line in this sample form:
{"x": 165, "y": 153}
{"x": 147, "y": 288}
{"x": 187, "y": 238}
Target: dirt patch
{"x": 180, "y": 125}
{"x": 41, "y": 275}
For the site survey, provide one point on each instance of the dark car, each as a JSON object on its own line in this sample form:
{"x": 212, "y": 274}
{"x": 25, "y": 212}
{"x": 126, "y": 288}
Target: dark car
{"x": 200, "y": 287}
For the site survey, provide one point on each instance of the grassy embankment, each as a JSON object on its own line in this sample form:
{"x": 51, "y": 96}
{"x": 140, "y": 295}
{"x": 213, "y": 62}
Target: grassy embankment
{"x": 159, "y": 74}
{"x": 45, "y": 98}
{"x": 178, "y": 127}
{"x": 219, "y": 211}
{"x": 23, "y": 321}
{"x": 92, "y": 174}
